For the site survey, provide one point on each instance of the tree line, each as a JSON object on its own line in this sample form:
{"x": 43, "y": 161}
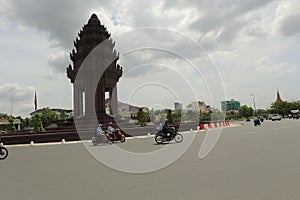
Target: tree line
{"x": 283, "y": 108}
{"x": 35, "y": 123}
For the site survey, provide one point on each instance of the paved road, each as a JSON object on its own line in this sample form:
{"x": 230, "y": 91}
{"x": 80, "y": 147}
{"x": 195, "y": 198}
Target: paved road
{"x": 247, "y": 163}
{"x": 139, "y": 131}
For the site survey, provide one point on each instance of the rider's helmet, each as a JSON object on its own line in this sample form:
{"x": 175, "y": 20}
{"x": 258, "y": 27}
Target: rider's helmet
{"x": 110, "y": 123}
{"x": 100, "y": 125}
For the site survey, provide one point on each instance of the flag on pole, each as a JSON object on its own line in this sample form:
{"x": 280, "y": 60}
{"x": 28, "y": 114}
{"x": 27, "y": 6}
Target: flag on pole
{"x": 35, "y": 101}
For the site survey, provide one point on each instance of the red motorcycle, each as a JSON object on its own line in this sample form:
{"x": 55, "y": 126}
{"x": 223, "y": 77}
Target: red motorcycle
{"x": 109, "y": 138}
{"x": 117, "y": 136}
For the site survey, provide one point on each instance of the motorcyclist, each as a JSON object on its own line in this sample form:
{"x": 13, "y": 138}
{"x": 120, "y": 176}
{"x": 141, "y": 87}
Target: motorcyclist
{"x": 256, "y": 121}
{"x": 111, "y": 130}
{"x": 100, "y": 135}
{"x": 99, "y": 130}
{"x": 159, "y": 127}
{"x": 261, "y": 118}
{"x": 166, "y": 129}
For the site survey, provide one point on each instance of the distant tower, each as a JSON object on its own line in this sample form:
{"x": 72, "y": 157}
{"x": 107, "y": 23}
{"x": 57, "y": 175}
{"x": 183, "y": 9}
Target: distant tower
{"x": 90, "y": 36}
{"x": 178, "y": 106}
{"x": 278, "y": 97}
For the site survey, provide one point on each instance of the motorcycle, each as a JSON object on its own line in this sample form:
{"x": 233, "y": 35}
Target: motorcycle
{"x": 108, "y": 138}
{"x": 256, "y": 122}
{"x": 99, "y": 139}
{"x": 117, "y": 136}
{"x": 261, "y": 119}
{"x": 168, "y": 135}
{"x": 3, "y": 153}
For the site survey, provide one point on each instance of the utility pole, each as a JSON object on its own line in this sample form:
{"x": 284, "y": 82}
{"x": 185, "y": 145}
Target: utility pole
{"x": 253, "y": 98}
{"x": 11, "y": 105}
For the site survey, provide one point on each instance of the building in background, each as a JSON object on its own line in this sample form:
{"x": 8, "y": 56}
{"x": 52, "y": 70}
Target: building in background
{"x": 126, "y": 110}
{"x": 197, "y": 106}
{"x": 231, "y": 105}
{"x": 5, "y": 122}
{"x": 178, "y": 106}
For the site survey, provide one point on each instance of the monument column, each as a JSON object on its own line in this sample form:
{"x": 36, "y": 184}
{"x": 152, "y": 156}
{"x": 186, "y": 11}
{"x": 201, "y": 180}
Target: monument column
{"x": 77, "y": 104}
{"x": 114, "y": 101}
{"x": 90, "y": 36}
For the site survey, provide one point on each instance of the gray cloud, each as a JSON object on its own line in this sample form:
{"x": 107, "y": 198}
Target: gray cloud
{"x": 17, "y": 99}
{"x": 225, "y": 18}
{"x": 17, "y": 92}
{"x": 290, "y": 25}
{"x": 59, "y": 61}
{"x": 61, "y": 19}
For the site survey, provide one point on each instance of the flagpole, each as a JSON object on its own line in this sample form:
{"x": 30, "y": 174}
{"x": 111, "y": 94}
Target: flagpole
{"x": 35, "y": 101}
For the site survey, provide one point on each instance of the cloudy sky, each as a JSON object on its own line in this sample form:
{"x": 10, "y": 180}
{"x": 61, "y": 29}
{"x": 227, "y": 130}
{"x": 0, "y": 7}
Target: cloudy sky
{"x": 190, "y": 50}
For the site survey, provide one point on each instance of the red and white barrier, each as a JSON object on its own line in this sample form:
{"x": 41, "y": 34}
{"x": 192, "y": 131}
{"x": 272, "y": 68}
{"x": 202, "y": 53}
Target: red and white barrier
{"x": 209, "y": 125}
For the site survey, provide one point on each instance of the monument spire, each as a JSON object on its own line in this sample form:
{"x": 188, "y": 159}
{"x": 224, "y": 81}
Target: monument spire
{"x": 89, "y": 37}
{"x": 278, "y": 97}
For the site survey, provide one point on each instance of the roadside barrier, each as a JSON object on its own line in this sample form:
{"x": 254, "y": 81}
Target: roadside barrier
{"x": 201, "y": 126}
{"x": 209, "y": 125}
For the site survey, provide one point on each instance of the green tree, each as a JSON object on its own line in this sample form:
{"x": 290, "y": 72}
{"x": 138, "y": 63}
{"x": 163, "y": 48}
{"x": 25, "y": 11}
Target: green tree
{"x": 11, "y": 127}
{"x": 177, "y": 116}
{"x": 169, "y": 116}
{"x": 4, "y": 116}
{"x": 294, "y": 105}
{"x": 37, "y": 124}
{"x": 205, "y": 116}
{"x": 63, "y": 115}
{"x": 25, "y": 124}
{"x": 48, "y": 115}
{"x": 231, "y": 115}
{"x": 283, "y": 108}
{"x": 245, "y": 111}
{"x": 142, "y": 117}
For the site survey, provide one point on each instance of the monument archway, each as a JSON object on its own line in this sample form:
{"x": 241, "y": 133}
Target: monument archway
{"x": 90, "y": 36}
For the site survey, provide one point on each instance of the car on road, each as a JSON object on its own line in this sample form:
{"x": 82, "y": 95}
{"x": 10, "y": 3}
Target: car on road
{"x": 276, "y": 117}
{"x": 294, "y": 114}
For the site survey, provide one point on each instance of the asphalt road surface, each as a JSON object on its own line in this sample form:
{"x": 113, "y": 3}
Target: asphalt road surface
{"x": 247, "y": 163}
{"x": 139, "y": 131}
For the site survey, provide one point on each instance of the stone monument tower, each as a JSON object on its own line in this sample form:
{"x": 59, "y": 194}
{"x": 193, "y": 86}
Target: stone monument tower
{"x": 86, "y": 101}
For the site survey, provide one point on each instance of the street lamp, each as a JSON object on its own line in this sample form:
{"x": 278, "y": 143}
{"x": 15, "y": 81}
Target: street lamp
{"x": 253, "y": 103}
